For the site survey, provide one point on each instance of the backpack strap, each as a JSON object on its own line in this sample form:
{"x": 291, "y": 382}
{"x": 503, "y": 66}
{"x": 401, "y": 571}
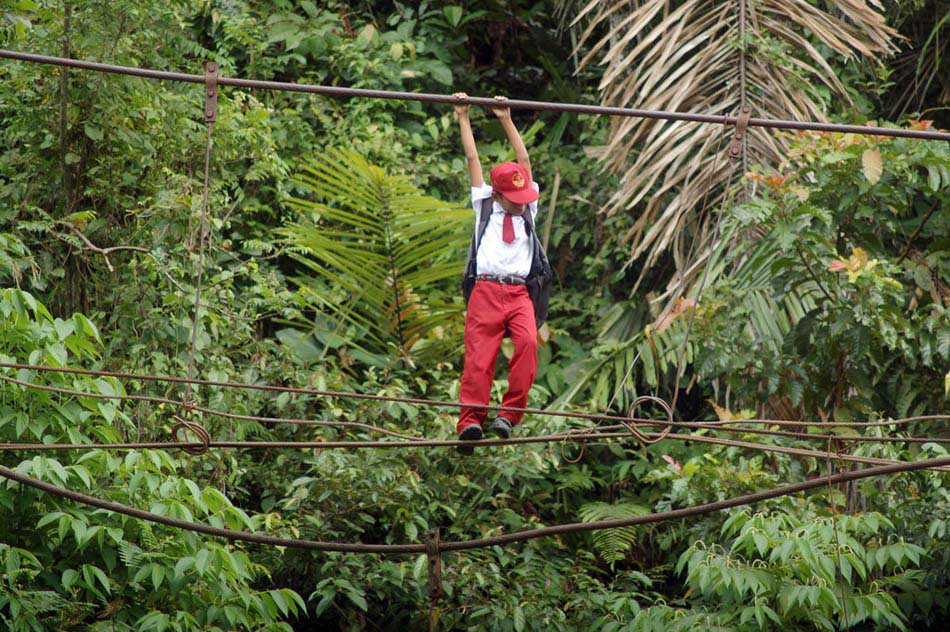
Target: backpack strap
{"x": 484, "y": 214}
{"x": 540, "y": 277}
{"x": 537, "y": 250}
{"x": 471, "y": 266}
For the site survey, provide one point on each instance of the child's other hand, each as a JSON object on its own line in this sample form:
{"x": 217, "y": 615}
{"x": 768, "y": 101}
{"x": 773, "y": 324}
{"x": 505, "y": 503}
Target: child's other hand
{"x": 461, "y": 109}
{"x": 502, "y": 112}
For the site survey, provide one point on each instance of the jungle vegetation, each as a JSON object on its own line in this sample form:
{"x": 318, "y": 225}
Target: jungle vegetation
{"x": 336, "y": 236}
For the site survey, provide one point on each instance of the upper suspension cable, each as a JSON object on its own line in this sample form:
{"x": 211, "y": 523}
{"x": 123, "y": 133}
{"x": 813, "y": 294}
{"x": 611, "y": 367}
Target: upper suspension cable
{"x": 517, "y": 104}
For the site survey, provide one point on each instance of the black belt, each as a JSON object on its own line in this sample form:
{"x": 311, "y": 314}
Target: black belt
{"x": 507, "y": 279}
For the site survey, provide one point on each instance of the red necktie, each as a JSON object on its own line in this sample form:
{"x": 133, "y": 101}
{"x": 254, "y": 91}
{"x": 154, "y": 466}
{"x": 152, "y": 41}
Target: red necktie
{"x": 508, "y": 229}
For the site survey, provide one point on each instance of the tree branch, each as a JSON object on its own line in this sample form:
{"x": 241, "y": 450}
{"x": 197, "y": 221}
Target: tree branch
{"x": 910, "y": 242}
{"x": 105, "y": 252}
{"x": 812, "y": 274}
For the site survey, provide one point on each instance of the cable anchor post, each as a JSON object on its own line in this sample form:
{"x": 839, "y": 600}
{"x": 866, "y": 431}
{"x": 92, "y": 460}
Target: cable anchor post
{"x": 434, "y": 555}
{"x": 742, "y": 125}
{"x": 211, "y": 92}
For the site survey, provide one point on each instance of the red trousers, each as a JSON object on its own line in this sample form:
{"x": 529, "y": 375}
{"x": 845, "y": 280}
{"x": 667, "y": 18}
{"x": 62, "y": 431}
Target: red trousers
{"x": 493, "y": 309}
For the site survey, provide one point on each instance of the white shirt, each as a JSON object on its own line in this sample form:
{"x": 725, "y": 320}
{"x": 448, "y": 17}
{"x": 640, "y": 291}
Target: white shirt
{"x": 494, "y": 256}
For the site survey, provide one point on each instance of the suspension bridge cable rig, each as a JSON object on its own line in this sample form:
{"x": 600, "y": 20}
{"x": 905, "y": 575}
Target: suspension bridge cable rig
{"x": 591, "y": 438}
{"x": 419, "y": 401}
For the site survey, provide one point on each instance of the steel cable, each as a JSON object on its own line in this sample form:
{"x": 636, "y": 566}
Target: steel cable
{"x": 570, "y": 435}
{"x": 191, "y": 406}
{"x": 518, "y": 536}
{"x": 443, "y": 404}
{"x": 334, "y": 91}
{"x": 577, "y": 437}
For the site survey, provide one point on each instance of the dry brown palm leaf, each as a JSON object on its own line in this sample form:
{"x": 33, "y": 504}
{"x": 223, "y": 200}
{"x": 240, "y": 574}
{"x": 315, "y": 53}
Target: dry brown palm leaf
{"x": 684, "y": 55}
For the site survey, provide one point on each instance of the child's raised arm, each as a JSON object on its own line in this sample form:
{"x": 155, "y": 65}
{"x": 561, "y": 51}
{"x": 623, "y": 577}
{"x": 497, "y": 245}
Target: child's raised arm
{"x": 521, "y": 152}
{"x": 468, "y": 142}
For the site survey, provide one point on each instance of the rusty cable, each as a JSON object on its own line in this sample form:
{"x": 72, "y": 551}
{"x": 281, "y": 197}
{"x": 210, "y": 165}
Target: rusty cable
{"x": 578, "y": 437}
{"x": 211, "y": 115}
{"x": 802, "y": 452}
{"x": 629, "y": 423}
{"x": 437, "y": 403}
{"x": 334, "y": 91}
{"x": 193, "y": 428}
{"x": 191, "y": 406}
{"x": 632, "y": 424}
{"x": 687, "y": 512}
{"x": 518, "y": 536}
{"x": 815, "y": 436}
{"x": 744, "y": 108}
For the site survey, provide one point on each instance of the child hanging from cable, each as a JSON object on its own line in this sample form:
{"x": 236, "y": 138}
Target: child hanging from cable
{"x": 505, "y": 282}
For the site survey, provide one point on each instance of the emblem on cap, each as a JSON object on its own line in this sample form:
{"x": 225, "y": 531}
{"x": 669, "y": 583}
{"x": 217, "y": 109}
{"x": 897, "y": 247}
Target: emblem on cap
{"x": 517, "y": 179}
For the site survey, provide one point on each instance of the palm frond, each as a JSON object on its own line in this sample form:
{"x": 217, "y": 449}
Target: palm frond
{"x": 382, "y": 241}
{"x": 684, "y": 56}
{"x": 623, "y": 359}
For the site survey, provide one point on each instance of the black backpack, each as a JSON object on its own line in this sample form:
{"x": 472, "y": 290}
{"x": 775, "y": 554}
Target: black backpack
{"x": 539, "y": 278}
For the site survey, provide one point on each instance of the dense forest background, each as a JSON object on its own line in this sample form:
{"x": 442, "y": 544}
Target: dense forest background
{"x": 337, "y": 231}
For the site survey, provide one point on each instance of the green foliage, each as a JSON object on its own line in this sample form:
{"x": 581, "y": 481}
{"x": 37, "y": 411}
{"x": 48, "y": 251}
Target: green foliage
{"x": 94, "y": 162}
{"x": 625, "y": 360}
{"x": 853, "y": 287}
{"x": 113, "y": 572}
{"x": 22, "y": 606}
{"x": 780, "y": 570}
{"x": 386, "y": 246}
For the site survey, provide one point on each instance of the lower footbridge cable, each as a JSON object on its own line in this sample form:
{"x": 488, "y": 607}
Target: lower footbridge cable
{"x": 461, "y": 545}
{"x": 579, "y": 435}
{"x": 587, "y": 438}
{"x": 191, "y": 406}
{"x": 417, "y": 401}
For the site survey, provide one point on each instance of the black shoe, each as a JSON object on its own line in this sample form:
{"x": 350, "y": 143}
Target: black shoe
{"x": 471, "y": 433}
{"x": 501, "y": 427}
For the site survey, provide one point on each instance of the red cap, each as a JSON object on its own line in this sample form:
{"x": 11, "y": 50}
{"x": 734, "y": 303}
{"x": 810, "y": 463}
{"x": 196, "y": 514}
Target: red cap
{"x": 511, "y": 180}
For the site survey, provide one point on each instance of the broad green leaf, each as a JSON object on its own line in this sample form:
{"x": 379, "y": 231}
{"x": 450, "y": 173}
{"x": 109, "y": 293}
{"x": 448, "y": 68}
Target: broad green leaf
{"x": 453, "y": 15}
{"x": 202, "y": 558}
{"x": 280, "y": 601}
{"x": 933, "y": 178}
{"x": 519, "y": 621}
{"x": 419, "y": 568}
{"x": 70, "y": 576}
{"x": 158, "y": 575}
{"x": 93, "y": 132}
{"x": 48, "y": 518}
{"x": 358, "y": 599}
{"x": 101, "y": 576}
{"x": 368, "y": 34}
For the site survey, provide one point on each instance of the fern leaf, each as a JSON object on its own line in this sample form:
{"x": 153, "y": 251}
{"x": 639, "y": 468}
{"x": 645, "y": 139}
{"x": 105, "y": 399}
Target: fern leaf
{"x": 613, "y": 544}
